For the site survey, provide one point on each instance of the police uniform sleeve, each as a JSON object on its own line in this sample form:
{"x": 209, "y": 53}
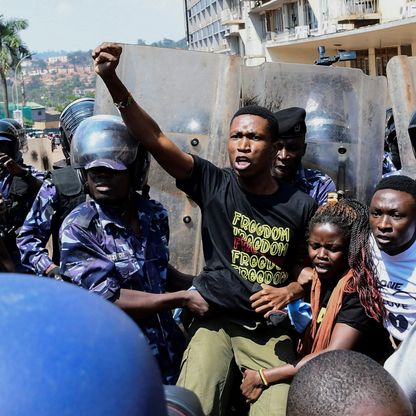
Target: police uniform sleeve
{"x": 36, "y": 230}
{"x": 327, "y": 185}
{"x": 83, "y": 259}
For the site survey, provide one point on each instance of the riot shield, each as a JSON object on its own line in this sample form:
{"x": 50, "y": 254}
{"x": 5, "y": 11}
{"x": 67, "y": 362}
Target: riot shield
{"x": 192, "y": 96}
{"x": 345, "y": 117}
{"x": 401, "y": 75}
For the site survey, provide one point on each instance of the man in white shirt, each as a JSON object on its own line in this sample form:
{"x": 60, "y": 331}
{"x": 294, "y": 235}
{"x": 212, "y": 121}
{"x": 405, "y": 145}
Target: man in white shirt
{"x": 393, "y": 225}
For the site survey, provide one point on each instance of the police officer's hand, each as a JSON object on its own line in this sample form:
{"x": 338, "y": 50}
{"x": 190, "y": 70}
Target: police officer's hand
{"x": 11, "y": 166}
{"x": 106, "y": 58}
{"x": 195, "y": 303}
{"x": 54, "y": 272}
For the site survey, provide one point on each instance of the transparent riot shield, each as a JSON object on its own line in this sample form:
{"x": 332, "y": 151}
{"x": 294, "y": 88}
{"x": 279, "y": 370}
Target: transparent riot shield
{"x": 401, "y": 75}
{"x": 192, "y": 96}
{"x": 345, "y": 117}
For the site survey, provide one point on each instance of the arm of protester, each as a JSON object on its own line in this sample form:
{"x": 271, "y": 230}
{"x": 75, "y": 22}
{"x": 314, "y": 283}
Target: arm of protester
{"x": 269, "y": 298}
{"x": 344, "y": 337}
{"x": 36, "y": 230}
{"x": 16, "y": 170}
{"x": 86, "y": 264}
{"x": 177, "y": 280}
{"x": 140, "y": 304}
{"x": 176, "y": 162}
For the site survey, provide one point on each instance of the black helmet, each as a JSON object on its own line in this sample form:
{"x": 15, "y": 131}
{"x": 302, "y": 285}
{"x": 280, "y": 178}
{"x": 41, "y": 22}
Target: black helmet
{"x": 104, "y": 140}
{"x": 70, "y": 118}
{"x": 9, "y": 136}
{"x": 21, "y": 133}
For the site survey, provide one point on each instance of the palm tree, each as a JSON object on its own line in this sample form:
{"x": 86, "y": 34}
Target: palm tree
{"x": 12, "y": 49}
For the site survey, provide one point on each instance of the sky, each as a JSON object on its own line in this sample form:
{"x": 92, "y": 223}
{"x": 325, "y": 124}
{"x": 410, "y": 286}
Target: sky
{"x": 73, "y": 25}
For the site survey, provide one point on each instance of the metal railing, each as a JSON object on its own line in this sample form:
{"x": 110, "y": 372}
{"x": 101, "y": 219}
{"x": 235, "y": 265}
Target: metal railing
{"x": 359, "y": 7}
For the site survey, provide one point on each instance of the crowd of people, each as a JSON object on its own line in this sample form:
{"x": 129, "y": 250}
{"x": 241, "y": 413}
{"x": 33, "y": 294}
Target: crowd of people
{"x": 294, "y": 272}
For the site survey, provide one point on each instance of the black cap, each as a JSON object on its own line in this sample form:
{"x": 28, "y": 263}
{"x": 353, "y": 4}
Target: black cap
{"x": 291, "y": 122}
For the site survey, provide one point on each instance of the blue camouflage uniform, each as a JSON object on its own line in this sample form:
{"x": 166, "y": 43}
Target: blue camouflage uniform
{"x": 100, "y": 254}
{"x": 36, "y": 229}
{"x": 314, "y": 183}
{"x": 6, "y": 180}
{"x": 18, "y": 201}
{"x": 52, "y": 204}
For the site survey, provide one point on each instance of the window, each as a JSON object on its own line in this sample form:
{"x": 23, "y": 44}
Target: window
{"x": 310, "y": 18}
{"x": 279, "y": 21}
{"x": 406, "y": 50}
{"x": 270, "y": 21}
{"x": 361, "y": 62}
{"x": 292, "y": 18}
{"x": 383, "y": 55}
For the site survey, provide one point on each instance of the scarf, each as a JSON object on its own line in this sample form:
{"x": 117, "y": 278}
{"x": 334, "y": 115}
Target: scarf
{"x": 317, "y": 337}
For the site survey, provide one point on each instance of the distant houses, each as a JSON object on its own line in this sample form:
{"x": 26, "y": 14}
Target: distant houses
{"x": 35, "y": 115}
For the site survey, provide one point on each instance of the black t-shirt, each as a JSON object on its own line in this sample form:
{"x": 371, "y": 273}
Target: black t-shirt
{"x": 375, "y": 340}
{"x": 246, "y": 238}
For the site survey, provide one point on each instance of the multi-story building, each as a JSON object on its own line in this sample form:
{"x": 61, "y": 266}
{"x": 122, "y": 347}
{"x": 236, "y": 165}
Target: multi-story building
{"x": 213, "y": 25}
{"x": 292, "y": 30}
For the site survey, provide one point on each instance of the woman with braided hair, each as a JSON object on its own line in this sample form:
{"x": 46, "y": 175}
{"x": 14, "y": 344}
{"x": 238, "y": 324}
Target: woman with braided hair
{"x": 347, "y": 309}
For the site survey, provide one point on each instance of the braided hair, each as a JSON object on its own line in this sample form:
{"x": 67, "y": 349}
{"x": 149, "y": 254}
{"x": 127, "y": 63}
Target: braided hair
{"x": 352, "y": 219}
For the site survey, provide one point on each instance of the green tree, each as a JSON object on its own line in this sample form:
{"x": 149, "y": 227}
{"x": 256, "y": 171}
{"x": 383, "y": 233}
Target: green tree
{"x": 12, "y": 49}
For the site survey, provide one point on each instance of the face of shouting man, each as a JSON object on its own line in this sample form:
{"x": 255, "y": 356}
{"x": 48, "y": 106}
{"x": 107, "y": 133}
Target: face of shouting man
{"x": 250, "y": 148}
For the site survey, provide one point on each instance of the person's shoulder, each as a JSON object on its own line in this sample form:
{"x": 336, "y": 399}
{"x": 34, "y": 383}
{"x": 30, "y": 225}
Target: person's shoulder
{"x": 315, "y": 175}
{"x": 295, "y": 195}
{"x": 39, "y": 174}
{"x": 47, "y": 190}
{"x": 156, "y": 207}
{"x": 82, "y": 215}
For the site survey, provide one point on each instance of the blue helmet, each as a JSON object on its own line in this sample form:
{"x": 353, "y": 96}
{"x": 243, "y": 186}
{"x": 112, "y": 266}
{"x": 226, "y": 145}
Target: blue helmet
{"x": 67, "y": 352}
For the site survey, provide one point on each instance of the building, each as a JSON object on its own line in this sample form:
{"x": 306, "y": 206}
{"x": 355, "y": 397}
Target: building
{"x": 213, "y": 25}
{"x": 292, "y": 30}
{"x": 53, "y": 60}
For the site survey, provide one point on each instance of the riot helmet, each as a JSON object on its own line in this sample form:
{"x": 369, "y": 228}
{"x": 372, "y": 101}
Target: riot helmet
{"x": 70, "y": 118}
{"x": 21, "y": 133}
{"x": 9, "y": 141}
{"x": 324, "y": 127}
{"x": 104, "y": 140}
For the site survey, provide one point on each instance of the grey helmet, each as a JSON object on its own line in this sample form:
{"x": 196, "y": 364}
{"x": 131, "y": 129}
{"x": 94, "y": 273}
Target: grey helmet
{"x": 70, "y": 118}
{"x": 21, "y": 133}
{"x": 104, "y": 140}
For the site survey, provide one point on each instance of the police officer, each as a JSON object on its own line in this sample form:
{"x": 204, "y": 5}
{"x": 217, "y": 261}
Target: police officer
{"x": 19, "y": 184}
{"x": 291, "y": 147}
{"x": 116, "y": 243}
{"x": 21, "y": 134}
{"x": 61, "y": 192}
